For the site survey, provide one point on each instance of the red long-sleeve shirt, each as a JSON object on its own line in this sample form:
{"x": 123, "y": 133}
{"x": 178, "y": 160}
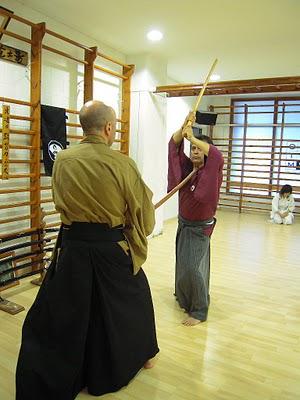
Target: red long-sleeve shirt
{"x": 198, "y": 199}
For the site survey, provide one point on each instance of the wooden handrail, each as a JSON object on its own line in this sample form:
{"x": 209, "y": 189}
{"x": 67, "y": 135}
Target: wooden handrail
{"x": 52, "y": 225}
{"x": 19, "y": 117}
{"x": 256, "y": 158}
{"x": 255, "y": 145}
{"x": 257, "y": 105}
{"x": 62, "y": 53}
{"x": 257, "y": 112}
{"x": 253, "y": 139}
{"x": 263, "y": 152}
{"x": 14, "y": 16}
{"x": 49, "y": 200}
{"x": 46, "y": 213}
{"x": 107, "y": 71}
{"x": 23, "y": 204}
{"x": 257, "y": 125}
{"x": 20, "y": 147}
{"x": 19, "y": 176}
{"x": 12, "y": 161}
{"x": 15, "y": 101}
{"x": 21, "y": 190}
{"x": 234, "y": 87}
{"x": 34, "y": 229}
{"x": 72, "y": 111}
{"x": 20, "y": 132}
{"x": 15, "y": 36}
{"x": 257, "y": 172}
{"x": 65, "y": 39}
{"x": 15, "y": 219}
{"x": 73, "y": 124}
{"x": 99, "y": 54}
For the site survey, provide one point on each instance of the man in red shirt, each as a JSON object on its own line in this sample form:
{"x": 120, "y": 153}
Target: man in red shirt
{"x": 198, "y": 201}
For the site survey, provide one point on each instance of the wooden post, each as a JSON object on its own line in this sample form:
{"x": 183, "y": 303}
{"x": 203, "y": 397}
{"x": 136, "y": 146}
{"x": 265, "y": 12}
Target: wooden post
{"x": 37, "y": 34}
{"x": 273, "y": 149}
{"x": 243, "y": 157}
{"x": 280, "y": 150}
{"x": 89, "y": 57}
{"x": 230, "y": 146}
{"x": 175, "y": 189}
{"x": 5, "y": 141}
{"x": 125, "y": 113}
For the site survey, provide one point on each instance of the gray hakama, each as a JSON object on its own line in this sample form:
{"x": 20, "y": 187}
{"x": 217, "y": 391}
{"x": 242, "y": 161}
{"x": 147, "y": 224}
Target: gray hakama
{"x": 193, "y": 267}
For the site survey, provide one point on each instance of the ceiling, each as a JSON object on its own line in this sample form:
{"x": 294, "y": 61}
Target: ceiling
{"x": 251, "y": 39}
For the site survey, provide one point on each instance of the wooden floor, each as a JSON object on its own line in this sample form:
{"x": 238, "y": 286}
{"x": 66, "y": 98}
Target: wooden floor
{"x": 249, "y": 349}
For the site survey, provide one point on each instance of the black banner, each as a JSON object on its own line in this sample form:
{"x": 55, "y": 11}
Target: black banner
{"x": 53, "y": 131}
{"x": 206, "y": 118}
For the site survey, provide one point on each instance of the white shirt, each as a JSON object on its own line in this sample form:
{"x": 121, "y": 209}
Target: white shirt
{"x": 282, "y": 204}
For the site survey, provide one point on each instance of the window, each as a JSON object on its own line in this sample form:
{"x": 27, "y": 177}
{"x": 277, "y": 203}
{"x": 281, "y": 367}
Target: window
{"x": 264, "y": 145}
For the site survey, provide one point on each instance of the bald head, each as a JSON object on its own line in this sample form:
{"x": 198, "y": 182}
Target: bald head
{"x": 94, "y": 116}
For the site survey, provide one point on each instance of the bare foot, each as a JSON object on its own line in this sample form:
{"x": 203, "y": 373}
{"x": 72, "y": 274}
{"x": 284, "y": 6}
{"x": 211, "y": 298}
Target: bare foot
{"x": 190, "y": 321}
{"x": 148, "y": 364}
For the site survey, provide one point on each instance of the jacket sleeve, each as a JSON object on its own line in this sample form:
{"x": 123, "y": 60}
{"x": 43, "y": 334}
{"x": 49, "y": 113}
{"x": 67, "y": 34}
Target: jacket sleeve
{"x": 275, "y": 204}
{"x": 291, "y": 206}
{"x": 139, "y": 216}
{"x": 178, "y": 164}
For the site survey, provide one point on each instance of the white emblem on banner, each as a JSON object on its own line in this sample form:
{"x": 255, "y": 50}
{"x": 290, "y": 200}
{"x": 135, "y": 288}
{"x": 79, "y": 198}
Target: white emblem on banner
{"x": 54, "y": 147}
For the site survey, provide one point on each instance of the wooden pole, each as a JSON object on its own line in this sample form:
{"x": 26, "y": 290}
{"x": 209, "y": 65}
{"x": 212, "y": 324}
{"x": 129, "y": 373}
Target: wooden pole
{"x": 175, "y": 189}
{"x": 112, "y": 60}
{"x": 230, "y": 146}
{"x": 14, "y": 16}
{"x": 274, "y": 131}
{"x": 125, "y": 112}
{"x": 62, "y": 53}
{"x": 65, "y": 39}
{"x": 204, "y": 85}
{"x": 189, "y": 124}
{"x": 37, "y": 34}
{"x": 5, "y": 141}
{"x": 243, "y": 158}
{"x": 89, "y": 57}
{"x": 108, "y": 71}
{"x": 14, "y": 35}
{"x": 15, "y": 101}
{"x": 281, "y": 141}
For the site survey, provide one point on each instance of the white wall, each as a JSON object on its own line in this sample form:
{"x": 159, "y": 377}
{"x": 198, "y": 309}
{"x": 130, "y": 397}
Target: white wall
{"x": 154, "y": 118}
{"x": 148, "y": 126}
{"x": 177, "y": 110}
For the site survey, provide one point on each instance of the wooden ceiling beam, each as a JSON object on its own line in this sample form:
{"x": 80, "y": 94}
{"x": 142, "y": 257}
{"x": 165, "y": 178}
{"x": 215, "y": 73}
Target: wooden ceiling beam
{"x": 265, "y": 85}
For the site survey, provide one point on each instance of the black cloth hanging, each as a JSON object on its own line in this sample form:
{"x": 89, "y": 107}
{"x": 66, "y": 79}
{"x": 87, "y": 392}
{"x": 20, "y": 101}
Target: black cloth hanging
{"x": 53, "y": 132}
{"x": 206, "y": 118}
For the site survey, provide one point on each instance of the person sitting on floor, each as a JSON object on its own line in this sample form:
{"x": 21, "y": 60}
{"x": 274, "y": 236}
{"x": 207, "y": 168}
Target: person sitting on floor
{"x": 283, "y": 205}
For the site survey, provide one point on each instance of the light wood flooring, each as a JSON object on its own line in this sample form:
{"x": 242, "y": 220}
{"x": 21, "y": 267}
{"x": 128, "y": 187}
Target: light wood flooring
{"x": 249, "y": 348}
